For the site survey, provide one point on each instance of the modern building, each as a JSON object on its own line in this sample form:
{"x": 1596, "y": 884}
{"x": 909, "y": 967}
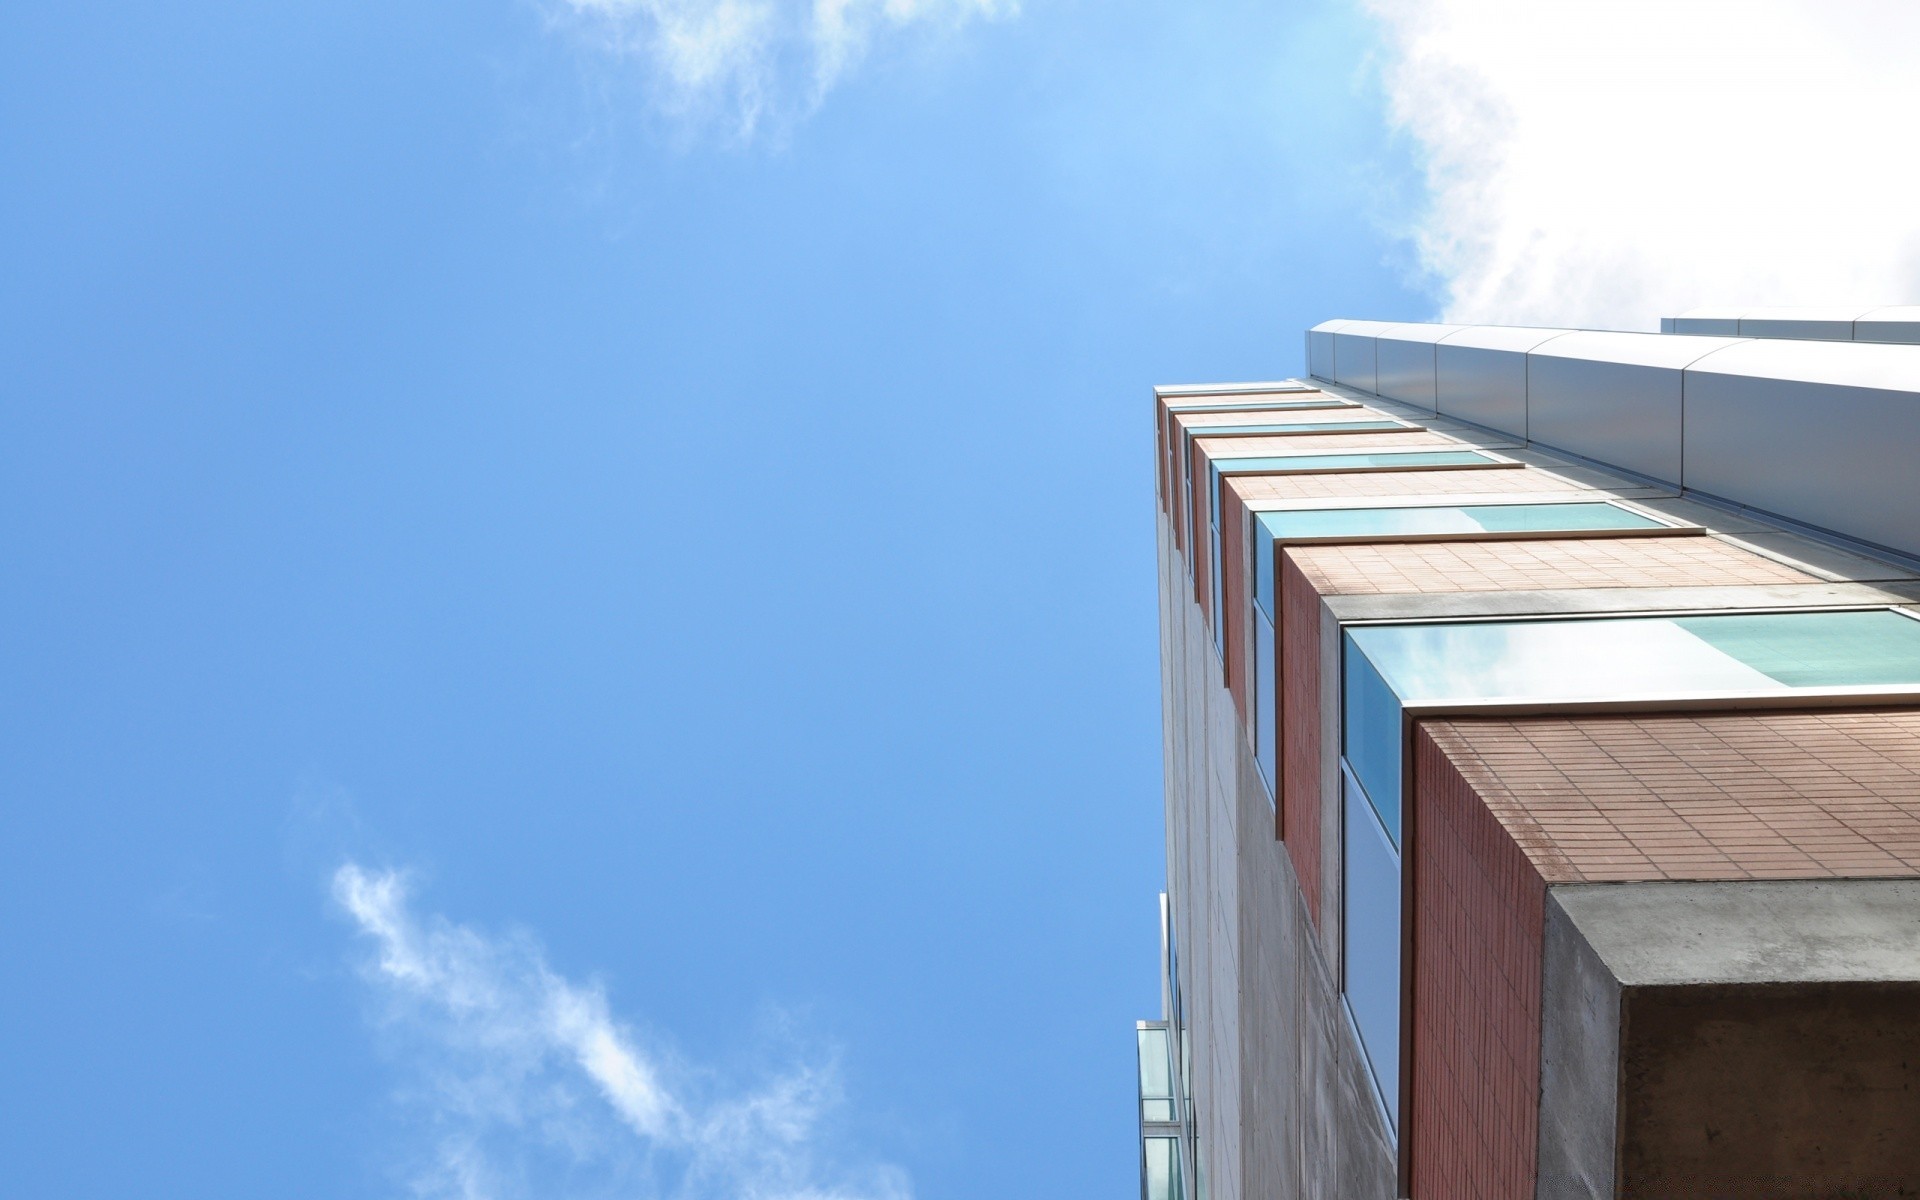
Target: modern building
{"x": 1542, "y": 742}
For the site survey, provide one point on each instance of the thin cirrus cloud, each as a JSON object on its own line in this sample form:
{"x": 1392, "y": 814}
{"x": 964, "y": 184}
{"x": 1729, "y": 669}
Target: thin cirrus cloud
{"x": 746, "y": 63}
{"x": 1608, "y": 162}
{"x": 523, "y": 1083}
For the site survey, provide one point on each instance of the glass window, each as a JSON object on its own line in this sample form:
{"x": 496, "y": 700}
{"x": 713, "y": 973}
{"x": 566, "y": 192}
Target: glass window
{"x": 1356, "y": 426}
{"x": 1163, "y": 1169}
{"x": 1264, "y": 584}
{"x": 1156, "y": 1075}
{"x": 1370, "y": 737}
{"x": 1817, "y": 649}
{"x": 1271, "y": 400}
{"x": 1266, "y": 707}
{"x": 1384, "y": 459}
{"x": 1613, "y": 658}
{"x": 1470, "y": 518}
{"x": 1371, "y": 932}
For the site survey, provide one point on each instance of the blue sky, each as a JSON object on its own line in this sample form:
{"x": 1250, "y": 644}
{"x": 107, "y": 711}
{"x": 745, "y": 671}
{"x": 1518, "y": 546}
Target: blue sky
{"x": 582, "y": 623}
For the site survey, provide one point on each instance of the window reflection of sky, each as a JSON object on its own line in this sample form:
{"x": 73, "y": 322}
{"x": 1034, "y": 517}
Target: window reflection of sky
{"x": 1291, "y": 524}
{"x": 1207, "y": 431}
{"x": 1267, "y": 400}
{"x": 1624, "y": 658}
{"x": 1642, "y": 656}
{"x": 1324, "y": 462}
{"x": 1469, "y": 518}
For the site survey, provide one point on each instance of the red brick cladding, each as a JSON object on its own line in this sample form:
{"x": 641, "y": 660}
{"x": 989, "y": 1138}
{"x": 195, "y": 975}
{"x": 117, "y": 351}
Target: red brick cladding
{"x": 1474, "y": 1071}
{"x": 1299, "y": 800}
{"x": 1236, "y": 598}
{"x": 1739, "y": 795}
{"x": 1309, "y": 572}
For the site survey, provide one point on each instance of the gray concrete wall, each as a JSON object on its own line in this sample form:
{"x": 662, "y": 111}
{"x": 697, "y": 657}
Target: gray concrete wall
{"x": 1767, "y": 1046}
{"x": 1283, "y": 1101}
{"x": 1579, "y": 1065}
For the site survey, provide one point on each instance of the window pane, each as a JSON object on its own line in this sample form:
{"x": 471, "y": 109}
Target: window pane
{"x": 1372, "y": 936}
{"x": 1163, "y": 1168}
{"x": 1264, "y": 567}
{"x": 1474, "y": 518}
{"x": 1271, "y": 464}
{"x": 1370, "y": 734}
{"x": 1156, "y": 1077}
{"x": 1290, "y": 427}
{"x": 1641, "y": 657}
{"x": 1264, "y": 400}
{"x": 1837, "y": 649}
{"x": 1266, "y": 708}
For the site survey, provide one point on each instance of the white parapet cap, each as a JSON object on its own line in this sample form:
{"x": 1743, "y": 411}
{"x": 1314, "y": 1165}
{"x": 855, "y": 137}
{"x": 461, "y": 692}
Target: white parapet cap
{"x": 1894, "y": 323}
{"x": 1821, "y": 432}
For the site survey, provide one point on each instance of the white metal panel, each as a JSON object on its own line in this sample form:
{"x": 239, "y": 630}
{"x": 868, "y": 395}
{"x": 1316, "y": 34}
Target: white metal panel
{"x": 1712, "y": 326}
{"x": 1353, "y": 353}
{"x": 1821, "y": 433}
{"x": 1403, "y": 362}
{"x": 1320, "y": 348}
{"x": 1614, "y": 397}
{"x": 1805, "y": 324}
{"x": 1900, "y": 323}
{"x": 1480, "y": 375}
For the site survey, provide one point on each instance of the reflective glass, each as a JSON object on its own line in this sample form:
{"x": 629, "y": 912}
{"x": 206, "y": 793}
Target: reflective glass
{"x": 1156, "y": 1074}
{"x": 1370, "y": 737}
{"x": 1194, "y": 431}
{"x": 1372, "y": 935}
{"x": 1616, "y": 658}
{"x": 1264, "y": 567}
{"x": 1266, "y": 708}
{"x": 1471, "y": 518}
{"x": 1817, "y": 649}
{"x": 1163, "y": 1168}
{"x": 1274, "y": 464}
{"x": 1263, "y": 400}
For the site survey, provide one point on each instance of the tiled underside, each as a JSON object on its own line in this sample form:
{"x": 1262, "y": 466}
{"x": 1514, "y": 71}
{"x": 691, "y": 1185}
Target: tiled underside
{"x": 1702, "y": 796}
{"x": 1548, "y": 563}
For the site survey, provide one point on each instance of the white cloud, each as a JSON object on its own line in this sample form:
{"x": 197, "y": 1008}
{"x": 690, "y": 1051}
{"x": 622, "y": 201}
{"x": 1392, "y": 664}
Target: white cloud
{"x": 1608, "y": 162}
{"x": 744, "y": 60}
{"x": 523, "y": 1078}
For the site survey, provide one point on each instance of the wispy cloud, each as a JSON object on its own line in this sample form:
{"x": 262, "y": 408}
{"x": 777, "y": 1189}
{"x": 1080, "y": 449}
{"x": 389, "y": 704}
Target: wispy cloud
{"x": 743, "y": 62}
{"x": 1607, "y": 162}
{"x": 527, "y": 1085}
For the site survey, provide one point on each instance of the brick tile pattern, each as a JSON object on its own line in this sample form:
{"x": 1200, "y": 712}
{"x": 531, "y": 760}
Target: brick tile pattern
{"x": 1700, "y": 796}
{"x": 1199, "y": 535}
{"x": 1420, "y": 567}
{"x": 1299, "y": 800}
{"x": 1236, "y": 600}
{"x": 1478, "y": 908}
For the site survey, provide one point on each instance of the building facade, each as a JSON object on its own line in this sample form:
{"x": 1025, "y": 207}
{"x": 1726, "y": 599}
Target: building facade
{"x": 1542, "y": 742}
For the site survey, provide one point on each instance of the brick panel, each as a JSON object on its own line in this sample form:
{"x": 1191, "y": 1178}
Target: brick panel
{"x": 1701, "y": 796}
{"x": 1420, "y": 567}
{"x": 1199, "y": 540}
{"x": 1477, "y": 916}
{"x": 1299, "y": 800}
{"x": 1236, "y": 597}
